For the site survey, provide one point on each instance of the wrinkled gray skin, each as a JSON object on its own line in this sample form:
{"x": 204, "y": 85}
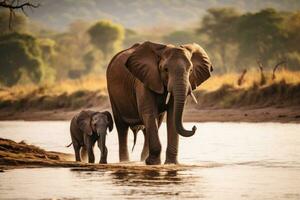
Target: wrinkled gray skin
{"x": 86, "y": 128}
{"x": 138, "y": 82}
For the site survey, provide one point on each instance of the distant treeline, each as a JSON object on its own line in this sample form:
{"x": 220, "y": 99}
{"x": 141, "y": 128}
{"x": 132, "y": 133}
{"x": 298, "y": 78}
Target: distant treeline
{"x": 234, "y": 40}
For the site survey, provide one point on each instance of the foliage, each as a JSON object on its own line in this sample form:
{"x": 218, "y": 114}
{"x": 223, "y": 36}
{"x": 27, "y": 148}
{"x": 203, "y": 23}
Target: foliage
{"x": 107, "y": 36}
{"x": 260, "y": 37}
{"x": 132, "y": 37}
{"x": 219, "y": 24}
{"x": 237, "y": 41}
{"x": 71, "y": 47}
{"x": 234, "y": 41}
{"x": 19, "y": 22}
{"x": 20, "y": 56}
{"x": 180, "y": 37}
{"x": 292, "y": 30}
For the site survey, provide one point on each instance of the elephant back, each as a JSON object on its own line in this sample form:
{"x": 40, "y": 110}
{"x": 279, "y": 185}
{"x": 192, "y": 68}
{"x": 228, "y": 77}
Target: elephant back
{"x": 120, "y": 84}
{"x": 120, "y": 59}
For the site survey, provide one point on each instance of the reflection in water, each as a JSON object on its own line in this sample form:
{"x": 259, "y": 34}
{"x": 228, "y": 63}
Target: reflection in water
{"x": 151, "y": 182}
{"x": 227, "y": 161}
{"x": 144, "y": 178}
{"x": 142, "y": 183}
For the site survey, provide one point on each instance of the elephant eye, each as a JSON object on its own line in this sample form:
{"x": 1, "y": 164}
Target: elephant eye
{"x": 166, "y": 69}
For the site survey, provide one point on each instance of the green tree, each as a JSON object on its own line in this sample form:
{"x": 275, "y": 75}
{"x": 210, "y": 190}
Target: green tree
{"x": 180, "y": 37}
{"x": 261, "y": 37}
{"x": 19, "y": 22}
{"x": 292, "y": 28}
{"x": 20, "y": 55}
{"x": 70, "y": 48}
{"x": 132, "y": 37}
{"x": 219, "y": 24}
{"x": 107, "y": 36}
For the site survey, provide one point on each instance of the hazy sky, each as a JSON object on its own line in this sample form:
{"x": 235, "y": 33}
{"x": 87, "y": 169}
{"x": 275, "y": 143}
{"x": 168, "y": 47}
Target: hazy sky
{"x": 58, "y": 14}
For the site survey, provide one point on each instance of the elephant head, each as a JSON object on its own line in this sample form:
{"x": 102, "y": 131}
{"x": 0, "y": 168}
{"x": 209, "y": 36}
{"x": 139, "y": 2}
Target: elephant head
{"x": 173, "y": 70}
{"x": 95, "y": 122}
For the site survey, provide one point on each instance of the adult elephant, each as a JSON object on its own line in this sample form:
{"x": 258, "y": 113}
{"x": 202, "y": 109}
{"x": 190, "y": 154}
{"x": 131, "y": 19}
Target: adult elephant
{"x": 147, "y": 80}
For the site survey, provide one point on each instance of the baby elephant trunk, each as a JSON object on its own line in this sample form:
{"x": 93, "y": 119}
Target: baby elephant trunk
{"x": 102, "y": 139}
{"x": 102, "y": 146}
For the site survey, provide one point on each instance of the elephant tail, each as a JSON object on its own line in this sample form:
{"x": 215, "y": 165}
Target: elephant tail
{"x": 134, "y": 139}
{"x": 69, "y": 145}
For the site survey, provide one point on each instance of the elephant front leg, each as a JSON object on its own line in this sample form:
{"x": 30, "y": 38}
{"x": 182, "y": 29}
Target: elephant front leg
{"x": 172, "y": 148}
{"x": 89, "y": 144}
{"x": 103, "y": 150}
{"x": 103, "y": 157}
{"x": 91, "y": 154}
{"x": 153, "y": 140}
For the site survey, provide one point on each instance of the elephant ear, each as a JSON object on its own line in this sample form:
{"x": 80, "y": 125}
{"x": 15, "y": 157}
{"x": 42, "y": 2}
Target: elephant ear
{"x": 84, "y": 122}
{"x": 201, "y": 64}
{"x": 110, "y": 120}
{"x": 143, "y": 64}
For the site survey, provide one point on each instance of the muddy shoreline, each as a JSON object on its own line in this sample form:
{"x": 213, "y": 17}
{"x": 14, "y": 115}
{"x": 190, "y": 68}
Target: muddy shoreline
{"x": 266, "y": 114}
{"x": 15, "y": 155}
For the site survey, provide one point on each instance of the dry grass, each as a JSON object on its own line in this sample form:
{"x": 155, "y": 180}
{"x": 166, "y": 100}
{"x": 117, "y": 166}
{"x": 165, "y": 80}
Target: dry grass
{"x": 217, "y": 81}
{"x": 218, "y": 91}
{"x": 87, "y": 83}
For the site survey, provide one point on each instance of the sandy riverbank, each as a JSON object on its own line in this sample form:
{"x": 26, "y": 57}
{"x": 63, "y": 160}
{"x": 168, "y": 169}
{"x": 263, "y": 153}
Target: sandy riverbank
{"x": 267, "y": 114}
{"x": 15, "y": 155}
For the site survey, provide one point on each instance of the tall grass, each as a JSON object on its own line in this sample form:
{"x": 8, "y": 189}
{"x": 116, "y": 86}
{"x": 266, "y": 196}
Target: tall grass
{"x": 252, "y": 77}
{"x": 87, "y": 83}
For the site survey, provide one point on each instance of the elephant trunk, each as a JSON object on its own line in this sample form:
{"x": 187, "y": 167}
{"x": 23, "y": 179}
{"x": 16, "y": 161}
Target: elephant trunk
{"x": 102, "y": 140}
{"x": 180, "y": 91}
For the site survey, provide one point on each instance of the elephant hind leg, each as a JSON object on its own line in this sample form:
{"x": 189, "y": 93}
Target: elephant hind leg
{"x": 122, "y": 129}
{"x": 77, "y": 148}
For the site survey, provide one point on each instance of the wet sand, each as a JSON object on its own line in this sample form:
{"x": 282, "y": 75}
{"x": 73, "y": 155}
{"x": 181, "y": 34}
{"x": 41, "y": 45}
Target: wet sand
{"x": 15, "y": 155}
{"x": 267, "y": 114}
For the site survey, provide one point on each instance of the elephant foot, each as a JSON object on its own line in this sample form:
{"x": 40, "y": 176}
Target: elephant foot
{"x": 103, "y": 162}
{"x": 171, "y": 161}
{"x": 151, "y": 160}
{"x": 144, "y": 157}
{"x": 124, "y": 158}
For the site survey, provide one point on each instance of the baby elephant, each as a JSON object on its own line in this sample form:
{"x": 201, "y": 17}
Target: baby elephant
{"x": 86, "y": 128}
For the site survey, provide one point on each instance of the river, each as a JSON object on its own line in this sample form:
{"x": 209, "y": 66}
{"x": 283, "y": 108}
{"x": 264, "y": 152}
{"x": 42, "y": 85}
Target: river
{"x": 244, "y": 161}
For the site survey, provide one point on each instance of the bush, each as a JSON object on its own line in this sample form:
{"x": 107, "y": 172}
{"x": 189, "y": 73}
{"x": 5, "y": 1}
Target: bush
{"x": 20, "y": 56}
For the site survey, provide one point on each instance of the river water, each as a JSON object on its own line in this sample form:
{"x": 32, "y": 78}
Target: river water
{"x": 244, "y": 161}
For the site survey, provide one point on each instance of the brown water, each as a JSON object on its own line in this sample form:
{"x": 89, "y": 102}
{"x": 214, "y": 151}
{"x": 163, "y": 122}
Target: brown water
{"x": 228, "y": 161}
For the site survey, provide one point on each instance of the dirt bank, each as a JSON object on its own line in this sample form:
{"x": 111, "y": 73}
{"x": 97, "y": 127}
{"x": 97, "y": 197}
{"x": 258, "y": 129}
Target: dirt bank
{"x": 267, "y": 114}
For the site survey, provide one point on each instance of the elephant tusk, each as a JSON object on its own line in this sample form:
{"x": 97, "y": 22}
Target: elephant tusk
{"x": 168, "y": 97}
{"x": 194, "y": 98}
